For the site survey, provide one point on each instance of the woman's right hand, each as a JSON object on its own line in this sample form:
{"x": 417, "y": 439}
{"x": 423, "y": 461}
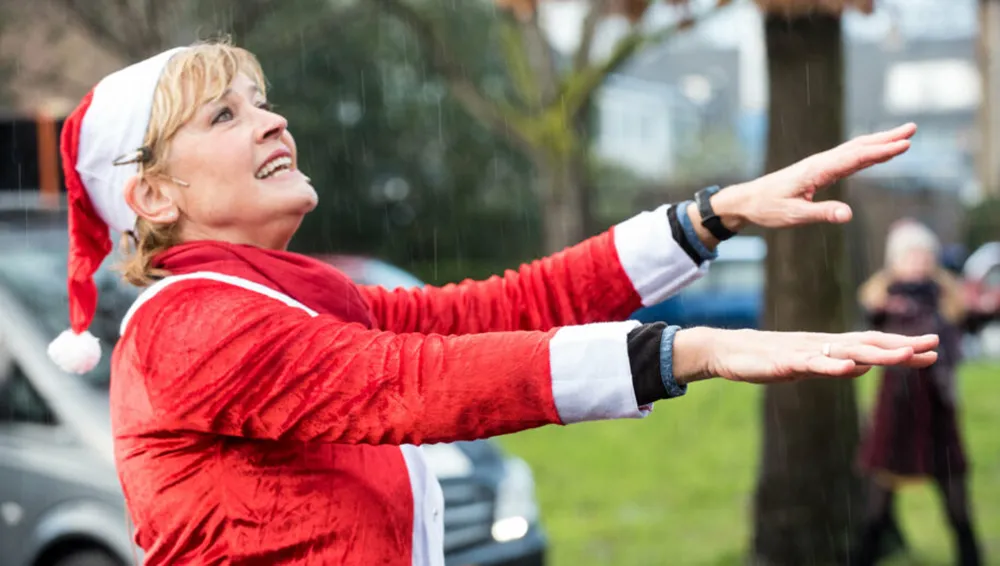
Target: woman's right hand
{"x": 772, "y": 357}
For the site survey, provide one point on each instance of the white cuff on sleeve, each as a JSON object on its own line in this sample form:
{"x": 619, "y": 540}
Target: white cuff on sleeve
{"x": 591, "y": 375}
{"x": 653, "y": 260}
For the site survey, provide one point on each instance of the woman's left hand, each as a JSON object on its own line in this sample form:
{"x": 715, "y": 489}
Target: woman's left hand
{"x": 785, "y": 198}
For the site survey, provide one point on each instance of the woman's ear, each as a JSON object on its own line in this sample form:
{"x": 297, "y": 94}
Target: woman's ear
{"x": 148, "y": 201}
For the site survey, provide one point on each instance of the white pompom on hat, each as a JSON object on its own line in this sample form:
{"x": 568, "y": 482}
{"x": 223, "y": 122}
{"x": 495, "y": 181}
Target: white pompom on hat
{"x": 100, "y": 144}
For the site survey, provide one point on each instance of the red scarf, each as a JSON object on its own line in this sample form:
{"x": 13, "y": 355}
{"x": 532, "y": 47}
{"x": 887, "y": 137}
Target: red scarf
{"x": 311, "y": 282}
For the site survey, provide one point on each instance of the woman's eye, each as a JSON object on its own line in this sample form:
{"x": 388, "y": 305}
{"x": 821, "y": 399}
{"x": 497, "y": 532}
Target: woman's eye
{"x": 222, "y": 115}
{"x": 266, "y": 106}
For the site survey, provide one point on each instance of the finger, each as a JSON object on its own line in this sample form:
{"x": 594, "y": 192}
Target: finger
{"x": 923, "y": 360}
{"x": 834, "y": 212}
{"x": 866, "y": 156}
{"x": 919, "y": 344}
{"x": 867, "y": 354}
{"x": 875, "y": 154}
{"x": 858, "y": 371}
{"x": 905, "y": 131}
{"x": 828, "y": 366}
{"x": 844, "y": 162}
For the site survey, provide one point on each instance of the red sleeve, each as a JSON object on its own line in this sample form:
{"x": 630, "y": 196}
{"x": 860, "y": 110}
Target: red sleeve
{"x": 217, "y": 358}
{"x": 606, "y": 278}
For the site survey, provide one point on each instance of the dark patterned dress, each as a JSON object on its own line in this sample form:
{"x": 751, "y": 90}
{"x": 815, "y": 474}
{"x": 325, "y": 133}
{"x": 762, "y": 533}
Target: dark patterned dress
{"x": 914, "y": 433}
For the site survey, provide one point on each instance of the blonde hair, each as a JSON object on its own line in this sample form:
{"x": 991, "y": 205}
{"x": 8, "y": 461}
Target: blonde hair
{"x": 192, "y": 78}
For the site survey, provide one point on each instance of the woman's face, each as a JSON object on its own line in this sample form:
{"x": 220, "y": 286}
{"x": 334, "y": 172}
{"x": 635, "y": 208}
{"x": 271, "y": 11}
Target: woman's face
{"x": 916, "y": 264}
{"x": 240, "y": 165}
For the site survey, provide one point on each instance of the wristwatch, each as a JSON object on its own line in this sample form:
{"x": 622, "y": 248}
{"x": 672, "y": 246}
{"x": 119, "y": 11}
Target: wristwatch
{"x": 709, "y": 219}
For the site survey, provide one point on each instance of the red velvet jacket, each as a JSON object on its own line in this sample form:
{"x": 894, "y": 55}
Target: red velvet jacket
{"x": 250, "y": 429}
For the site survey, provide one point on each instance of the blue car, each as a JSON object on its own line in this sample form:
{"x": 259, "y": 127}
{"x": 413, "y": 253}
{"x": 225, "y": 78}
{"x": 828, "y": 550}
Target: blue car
{"x": 730, "y": 295}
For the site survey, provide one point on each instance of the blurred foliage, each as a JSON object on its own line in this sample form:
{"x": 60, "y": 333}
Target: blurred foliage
{"x": 710, "y": 154}
{"x": 983, "y": 223}
{"x": 616, "y": 189}
{"x": 401, "y": 170}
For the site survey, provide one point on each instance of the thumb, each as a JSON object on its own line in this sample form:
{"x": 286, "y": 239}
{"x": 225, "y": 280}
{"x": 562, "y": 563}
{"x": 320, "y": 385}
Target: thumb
{"x": 834, "y": 212}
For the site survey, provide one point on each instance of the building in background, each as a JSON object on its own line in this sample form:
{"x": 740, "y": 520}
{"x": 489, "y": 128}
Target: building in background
{"x": 663, "y": 108}
{"x": 910, "y": 60}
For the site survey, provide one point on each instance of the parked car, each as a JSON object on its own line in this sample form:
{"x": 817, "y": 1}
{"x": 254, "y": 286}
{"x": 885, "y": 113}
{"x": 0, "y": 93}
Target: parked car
{"x": 60, "y": 499}
{"x": 730, "y": 295}
{"x": 981, "y": 278}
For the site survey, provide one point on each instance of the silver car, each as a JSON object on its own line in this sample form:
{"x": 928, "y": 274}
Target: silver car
{"x": 60, "y": 500}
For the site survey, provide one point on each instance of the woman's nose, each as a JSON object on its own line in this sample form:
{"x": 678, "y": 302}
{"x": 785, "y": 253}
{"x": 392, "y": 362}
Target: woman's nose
{"x": 271, "y": 126}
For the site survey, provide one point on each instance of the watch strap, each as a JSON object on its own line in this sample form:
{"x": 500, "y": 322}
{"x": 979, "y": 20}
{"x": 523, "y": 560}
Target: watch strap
{"x": 709, "y": 219}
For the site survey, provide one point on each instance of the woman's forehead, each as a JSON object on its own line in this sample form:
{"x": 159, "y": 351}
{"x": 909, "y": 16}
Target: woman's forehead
{"x": 242, "y": 85}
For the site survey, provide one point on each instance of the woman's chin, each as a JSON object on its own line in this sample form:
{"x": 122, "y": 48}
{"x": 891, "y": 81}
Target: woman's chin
{"x": 300, "y": 197}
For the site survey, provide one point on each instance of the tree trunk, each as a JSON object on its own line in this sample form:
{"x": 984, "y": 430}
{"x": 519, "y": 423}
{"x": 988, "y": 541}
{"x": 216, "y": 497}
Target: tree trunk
{"x": 807, "y": 498}
{"x": 988, "y": 156}
{"x": 560, "y": 183}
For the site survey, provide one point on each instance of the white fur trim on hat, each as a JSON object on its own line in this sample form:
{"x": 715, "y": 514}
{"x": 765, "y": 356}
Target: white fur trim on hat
{"x": 75, "y": 353}
{"x": 114, "y": 125}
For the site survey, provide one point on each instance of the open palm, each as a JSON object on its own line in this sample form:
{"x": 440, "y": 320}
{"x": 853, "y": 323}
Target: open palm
{"x": 769, "y": 357}
{"x": 785, "y": 197}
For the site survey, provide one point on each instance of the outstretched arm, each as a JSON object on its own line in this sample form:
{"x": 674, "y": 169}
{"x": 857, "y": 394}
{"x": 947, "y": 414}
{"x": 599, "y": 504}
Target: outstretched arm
{"x": 641, "y": 261}
{"x": 263, "y": 369}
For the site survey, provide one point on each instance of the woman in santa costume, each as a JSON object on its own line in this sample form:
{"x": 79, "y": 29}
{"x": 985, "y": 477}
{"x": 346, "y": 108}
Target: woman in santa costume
{"x": 268, "y": 411}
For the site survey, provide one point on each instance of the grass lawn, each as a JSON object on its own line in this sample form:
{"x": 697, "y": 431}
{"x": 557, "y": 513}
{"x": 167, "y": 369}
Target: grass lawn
{"x": 676, "y": 487}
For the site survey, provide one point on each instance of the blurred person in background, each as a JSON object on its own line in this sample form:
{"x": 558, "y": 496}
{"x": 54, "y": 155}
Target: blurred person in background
{"x": 914, "y": 434}
{"x": 267, "y": 410}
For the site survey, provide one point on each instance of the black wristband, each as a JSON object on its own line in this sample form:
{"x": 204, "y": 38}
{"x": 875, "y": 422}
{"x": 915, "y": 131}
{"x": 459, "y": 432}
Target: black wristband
{"x": 709, "y": 219}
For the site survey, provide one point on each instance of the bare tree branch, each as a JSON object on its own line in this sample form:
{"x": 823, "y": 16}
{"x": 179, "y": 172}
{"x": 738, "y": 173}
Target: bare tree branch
{"x": 576, "y": 91}
{"x": 582, "y": 56}
{"x": 499, "y": 118}
{"x": 541, "y": 58}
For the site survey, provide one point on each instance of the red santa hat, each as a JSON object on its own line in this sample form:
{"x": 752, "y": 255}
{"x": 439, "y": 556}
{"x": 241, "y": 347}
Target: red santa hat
{"x": 101, "y": 147}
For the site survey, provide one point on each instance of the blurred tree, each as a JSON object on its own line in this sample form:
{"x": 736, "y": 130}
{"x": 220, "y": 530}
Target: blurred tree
{"x": 136, "y": 29}
{"x": 808, "y": 497}
{"x": 543, "y": 115}
{"x": 6, "y": 66}
{"x": 403, "y": 172}
{"x": 981, "y": 224}
{"x": 988, "y": 156}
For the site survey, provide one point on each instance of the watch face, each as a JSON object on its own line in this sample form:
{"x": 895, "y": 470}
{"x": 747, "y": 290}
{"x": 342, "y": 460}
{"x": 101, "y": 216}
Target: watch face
{"x": 704, "y": 206}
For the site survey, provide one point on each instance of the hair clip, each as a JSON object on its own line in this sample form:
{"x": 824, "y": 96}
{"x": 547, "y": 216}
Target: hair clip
{"x": 141, "y": 155}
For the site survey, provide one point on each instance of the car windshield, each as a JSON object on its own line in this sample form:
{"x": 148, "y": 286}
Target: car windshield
{"x": 37, "y": 279}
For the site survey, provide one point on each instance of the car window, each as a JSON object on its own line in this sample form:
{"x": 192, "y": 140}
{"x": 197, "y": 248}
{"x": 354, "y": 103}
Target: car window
{"x": 19, "y": 402}
{"x": 37, "y": 280}
{"x": 731, "y": 276}
{"x": 388, "y": 276}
